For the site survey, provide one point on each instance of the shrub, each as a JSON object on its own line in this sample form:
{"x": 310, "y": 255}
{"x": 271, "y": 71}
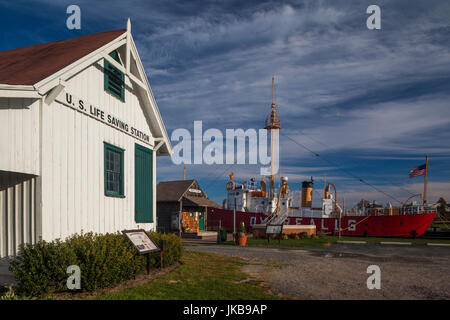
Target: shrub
{"x": 104, "y": 261}
{"x": 41, "y": 268}
{"x": 173, "y": 252}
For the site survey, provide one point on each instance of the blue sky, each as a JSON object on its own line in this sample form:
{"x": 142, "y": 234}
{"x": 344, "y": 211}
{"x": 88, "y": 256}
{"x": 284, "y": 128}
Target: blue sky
{"x": 373, "y": 102}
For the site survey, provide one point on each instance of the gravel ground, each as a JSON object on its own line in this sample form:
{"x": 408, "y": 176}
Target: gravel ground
{"x": 340, "y": 271}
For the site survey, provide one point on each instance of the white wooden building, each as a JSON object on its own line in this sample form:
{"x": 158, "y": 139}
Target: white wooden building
{"x": 79, "y": 134}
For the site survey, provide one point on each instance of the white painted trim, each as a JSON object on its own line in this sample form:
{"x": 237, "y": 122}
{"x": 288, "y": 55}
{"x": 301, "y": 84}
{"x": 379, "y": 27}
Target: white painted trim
{"x": 159, "y": 145}
{"x": 19, "y": 94}
{"x": 16, "y": 87}
{"x": 121, "y": 68}
{"x": 137, "y": 81}
{"x": 152, "y": 98}
{"x": 127, "y": 46}
{"x": 108, "y": 58}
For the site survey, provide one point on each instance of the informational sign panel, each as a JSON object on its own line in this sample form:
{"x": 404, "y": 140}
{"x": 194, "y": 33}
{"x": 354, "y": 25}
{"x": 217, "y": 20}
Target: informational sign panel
{"x": 141, "y": 240}
{"x": 274, "y": 229}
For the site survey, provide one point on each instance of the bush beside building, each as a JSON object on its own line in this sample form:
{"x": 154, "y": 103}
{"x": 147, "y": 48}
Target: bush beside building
{"x": 104, "y": 261}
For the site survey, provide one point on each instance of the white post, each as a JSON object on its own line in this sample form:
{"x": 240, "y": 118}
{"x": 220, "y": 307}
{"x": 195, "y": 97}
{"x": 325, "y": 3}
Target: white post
{"x": 340, "y": 214}
{"x": 128, "y": 47}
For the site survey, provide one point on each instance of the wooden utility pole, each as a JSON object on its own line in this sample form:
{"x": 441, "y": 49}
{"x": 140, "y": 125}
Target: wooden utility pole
{"x": 180, "y": 214}
{"x": 184, "y": 175}
{"x": 343, "y": 205}
{"x": 234, "y": 220}
{"x": 272, "y": 133}
{"x": 425, "y": 182}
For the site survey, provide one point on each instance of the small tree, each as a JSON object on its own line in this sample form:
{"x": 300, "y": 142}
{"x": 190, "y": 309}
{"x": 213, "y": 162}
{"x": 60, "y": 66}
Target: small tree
{"x": 442, "y": 204}
{"x": 442, "y": 208}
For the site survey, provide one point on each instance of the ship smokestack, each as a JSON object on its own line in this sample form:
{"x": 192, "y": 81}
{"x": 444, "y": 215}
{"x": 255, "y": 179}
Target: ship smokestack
{"x": 307, "y": 188}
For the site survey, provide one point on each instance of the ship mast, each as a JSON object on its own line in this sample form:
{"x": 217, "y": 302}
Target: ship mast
{"x": 272, "y": 123}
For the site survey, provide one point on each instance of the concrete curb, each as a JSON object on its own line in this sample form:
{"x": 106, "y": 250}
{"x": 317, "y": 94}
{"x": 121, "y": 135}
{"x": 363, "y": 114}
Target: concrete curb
{"x": 438, "y": 244}
{"x": 353, "y": 242}
{"x": 398, "y": 243}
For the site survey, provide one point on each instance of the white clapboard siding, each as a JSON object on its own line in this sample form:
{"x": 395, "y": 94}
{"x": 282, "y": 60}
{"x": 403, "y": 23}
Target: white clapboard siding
{"x": 19, "y": 135}
{"x": 19, "y": 166}
{"x": 73, "y": 198}
{"x": 18, "y": 215}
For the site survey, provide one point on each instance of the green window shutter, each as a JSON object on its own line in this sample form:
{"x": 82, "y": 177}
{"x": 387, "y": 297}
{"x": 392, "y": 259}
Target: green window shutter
{"x": 113, "y": 170}
{"x": 114, "y": 79}
{"x": 115, "y": 55}
{"x": 143, "y": 189}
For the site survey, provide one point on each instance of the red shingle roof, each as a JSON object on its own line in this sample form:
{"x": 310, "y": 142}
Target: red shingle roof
{"x": 29, "y": 65}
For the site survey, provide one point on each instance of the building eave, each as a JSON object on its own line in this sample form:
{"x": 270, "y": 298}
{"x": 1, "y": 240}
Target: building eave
{"x": 18, "y": 91}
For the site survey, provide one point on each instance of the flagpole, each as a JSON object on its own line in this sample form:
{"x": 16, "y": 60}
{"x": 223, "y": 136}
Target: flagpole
{"x": 425, "y": 183}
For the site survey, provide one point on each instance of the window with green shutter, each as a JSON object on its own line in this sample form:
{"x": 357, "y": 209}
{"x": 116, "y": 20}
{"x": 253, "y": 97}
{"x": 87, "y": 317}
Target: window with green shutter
{"x": 114, "y": 175}
{"x": 114, "y": 78}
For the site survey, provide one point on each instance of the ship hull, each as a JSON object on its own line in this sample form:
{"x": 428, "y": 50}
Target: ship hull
{"x": 377, "y": 226}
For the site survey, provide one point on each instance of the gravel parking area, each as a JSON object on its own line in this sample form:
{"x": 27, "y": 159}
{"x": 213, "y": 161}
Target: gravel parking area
{"x": 340, "y": 271}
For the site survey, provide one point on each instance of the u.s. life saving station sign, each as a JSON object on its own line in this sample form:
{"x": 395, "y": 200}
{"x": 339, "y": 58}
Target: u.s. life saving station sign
{"x": 97, "y": 113}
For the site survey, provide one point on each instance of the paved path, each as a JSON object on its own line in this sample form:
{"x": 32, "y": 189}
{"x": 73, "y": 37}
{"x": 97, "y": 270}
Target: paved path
{"x": 340, "y": 271}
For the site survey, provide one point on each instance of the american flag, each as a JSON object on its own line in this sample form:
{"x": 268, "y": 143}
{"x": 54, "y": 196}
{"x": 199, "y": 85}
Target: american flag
{"x": 417, "y": 171}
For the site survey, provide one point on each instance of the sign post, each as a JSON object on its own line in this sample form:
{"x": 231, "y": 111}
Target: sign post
{"x": 234, "y": 222}
{"x": 142, "y": 242}
{"x": 163, "y": 249}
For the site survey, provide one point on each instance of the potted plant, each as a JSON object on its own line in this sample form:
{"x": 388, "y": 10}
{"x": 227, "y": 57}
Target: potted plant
{"x": 242, "y": 235}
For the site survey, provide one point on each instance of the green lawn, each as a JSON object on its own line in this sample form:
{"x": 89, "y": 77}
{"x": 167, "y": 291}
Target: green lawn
{"x": 324, "y": 241}
{"x": 319, "y": 242}
{"x": 202, "y": 276}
